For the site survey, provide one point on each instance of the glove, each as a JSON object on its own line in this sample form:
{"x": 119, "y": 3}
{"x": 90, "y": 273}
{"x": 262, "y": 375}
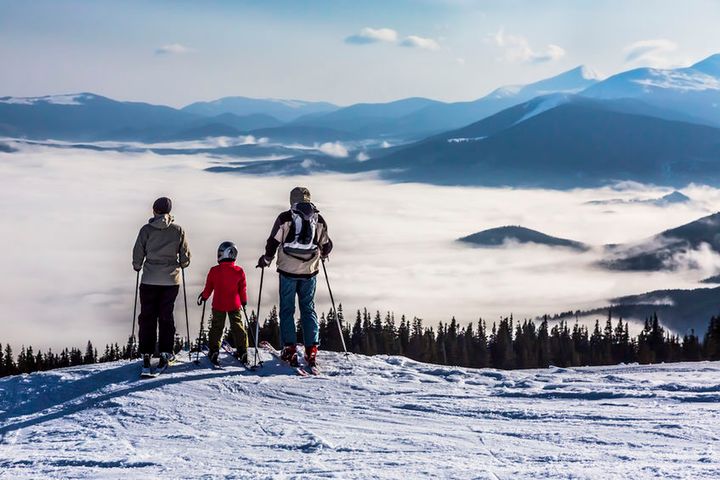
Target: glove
{"x": 263, "y": 262}
{"x": 244, "y": 304}
{"x": 325, "y": 250}
{"x": 137, "y": 269}
{"x": 200, "y": 299}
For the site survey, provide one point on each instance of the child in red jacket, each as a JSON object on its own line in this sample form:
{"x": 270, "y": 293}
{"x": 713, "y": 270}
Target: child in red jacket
{"x": 227, "y": 280}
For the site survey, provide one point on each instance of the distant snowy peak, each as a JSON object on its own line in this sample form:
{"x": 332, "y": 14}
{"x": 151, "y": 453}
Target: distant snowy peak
{"x": 710, "y": 65}
{"x": 571, "y": 81}
{"x": 703, "y": 76}
{"x": 67, "y": 99}
{"x": 280, "y": 108}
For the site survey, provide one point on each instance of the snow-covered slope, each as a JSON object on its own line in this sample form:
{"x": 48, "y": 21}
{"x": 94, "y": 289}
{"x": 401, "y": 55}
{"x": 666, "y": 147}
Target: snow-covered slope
{"x": 693, "y": 90}
{"x": 379, "y": 417}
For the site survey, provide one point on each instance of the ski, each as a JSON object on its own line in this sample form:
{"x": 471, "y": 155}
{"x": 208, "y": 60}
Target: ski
{"x": 148, "y": 373}
{"x": 299, "y": 370}
{"x": 155, "y": 371}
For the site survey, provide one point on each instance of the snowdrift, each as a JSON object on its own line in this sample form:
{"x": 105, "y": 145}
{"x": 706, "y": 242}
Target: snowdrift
{"x": 366, "y": 417}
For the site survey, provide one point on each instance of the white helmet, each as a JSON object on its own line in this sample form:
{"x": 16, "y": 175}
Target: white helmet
{"x": 227, "y": 251}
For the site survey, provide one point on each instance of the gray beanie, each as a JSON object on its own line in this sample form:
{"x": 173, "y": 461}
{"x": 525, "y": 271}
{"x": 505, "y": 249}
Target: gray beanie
{"x": 299, "y": 195}
{"x": 162, "y": 205}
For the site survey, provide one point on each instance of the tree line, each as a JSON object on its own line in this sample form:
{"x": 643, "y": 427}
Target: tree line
{"x": 506, "y": 344}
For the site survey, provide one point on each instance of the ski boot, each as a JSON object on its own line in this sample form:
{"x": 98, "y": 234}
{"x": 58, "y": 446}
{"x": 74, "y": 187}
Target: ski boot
{"x": 165, "y": 360}
{"x": 241, "y": 356}
{"x": 146, "y": 366}
{"x": 289, "y": 355}
{"x": 214, "y": 358}
{"x": 311, "y": 356}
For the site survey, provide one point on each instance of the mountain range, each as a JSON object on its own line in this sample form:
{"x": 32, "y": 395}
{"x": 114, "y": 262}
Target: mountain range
{"x": 570, "y": 130}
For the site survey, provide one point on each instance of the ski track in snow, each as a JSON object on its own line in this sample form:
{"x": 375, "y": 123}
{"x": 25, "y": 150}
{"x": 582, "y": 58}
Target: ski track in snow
{"x": 365, "y": 417}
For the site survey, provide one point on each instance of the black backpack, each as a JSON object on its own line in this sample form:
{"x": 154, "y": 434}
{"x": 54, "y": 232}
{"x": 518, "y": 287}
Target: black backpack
{"x": 301, "y": 241}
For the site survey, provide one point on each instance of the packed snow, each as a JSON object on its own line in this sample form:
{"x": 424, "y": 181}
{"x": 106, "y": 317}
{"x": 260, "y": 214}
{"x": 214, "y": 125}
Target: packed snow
{"x": 365, "y": 417}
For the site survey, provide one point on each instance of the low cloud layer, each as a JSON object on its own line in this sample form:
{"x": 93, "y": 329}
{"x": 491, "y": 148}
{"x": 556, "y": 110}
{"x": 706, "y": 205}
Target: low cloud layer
{"x": 334, "y": 149}
{"x": 516, "y": 48}
{"x": 70, "y": 217}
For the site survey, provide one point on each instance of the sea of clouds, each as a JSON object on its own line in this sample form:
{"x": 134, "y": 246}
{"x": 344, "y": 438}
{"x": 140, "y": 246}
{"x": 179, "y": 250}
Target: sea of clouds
{"x": 69, "y": 218}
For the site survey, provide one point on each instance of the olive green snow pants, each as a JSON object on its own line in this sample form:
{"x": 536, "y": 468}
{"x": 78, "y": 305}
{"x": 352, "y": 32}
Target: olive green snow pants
{"x": 217, "y": 325}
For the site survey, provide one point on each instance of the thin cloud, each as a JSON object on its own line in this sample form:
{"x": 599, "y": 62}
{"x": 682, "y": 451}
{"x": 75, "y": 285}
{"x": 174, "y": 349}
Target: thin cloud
{"x": 516, "y": 49}
{"x": 372, "y": 35}
{"x": 334, "y": 149}
{"x": 173, "y": 49}
{"x": 653, "y": 52}
{"x": 413, "y": 41}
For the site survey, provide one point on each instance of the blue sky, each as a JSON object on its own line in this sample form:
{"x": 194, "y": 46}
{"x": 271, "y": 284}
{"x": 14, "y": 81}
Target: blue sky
{"x": 176, "y": 52}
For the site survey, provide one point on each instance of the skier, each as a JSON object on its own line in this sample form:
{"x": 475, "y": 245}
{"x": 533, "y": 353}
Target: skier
{"x": 302, "y": 235}
{"x": 228, "y": 283}
{"x": 161, "y": 250}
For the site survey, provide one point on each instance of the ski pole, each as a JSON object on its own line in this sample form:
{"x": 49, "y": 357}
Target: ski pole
{"x": 257, "y": 320}
{"x": 255, "y": 340}
{"x": 132, "y": 335}
{"x": 332, "y": 300}
{"x": 202, "y": 319}
{"x": 187, "y": 318}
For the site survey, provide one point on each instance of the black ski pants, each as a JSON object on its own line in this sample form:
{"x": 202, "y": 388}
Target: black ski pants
{"x": 157, "y": 303}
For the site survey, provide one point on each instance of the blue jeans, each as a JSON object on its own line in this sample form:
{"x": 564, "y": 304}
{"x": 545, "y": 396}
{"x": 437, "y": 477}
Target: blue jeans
{"x": 304, "y": 288}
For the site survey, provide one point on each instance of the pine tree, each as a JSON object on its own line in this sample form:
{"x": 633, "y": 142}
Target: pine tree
{"x": 691, "y": 349}
{"x": 481, "y": 356}
{"x": 356, "y": 339}
{"x": 711, "y": 344}
{"x": 89, "y": 354}
{"x": 501, "y": 345}
{"x": 64, "y": 359}
{"x": 403, "y": 335}
{"x": 76, "y": 357}
{"x": 544, "y": 355}
{"x": 10, "y": 368}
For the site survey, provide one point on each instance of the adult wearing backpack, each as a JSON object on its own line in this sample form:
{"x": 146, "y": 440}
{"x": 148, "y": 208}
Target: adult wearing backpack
{"x": 160, "y": 251}
{"x": 300, "y": 238}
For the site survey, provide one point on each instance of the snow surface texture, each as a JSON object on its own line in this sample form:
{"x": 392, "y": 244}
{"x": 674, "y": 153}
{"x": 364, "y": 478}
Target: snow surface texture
{"x": 366, "y": 417}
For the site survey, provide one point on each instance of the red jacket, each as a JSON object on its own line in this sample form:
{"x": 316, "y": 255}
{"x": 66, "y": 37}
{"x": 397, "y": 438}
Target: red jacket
{"x": 228, "y": 282}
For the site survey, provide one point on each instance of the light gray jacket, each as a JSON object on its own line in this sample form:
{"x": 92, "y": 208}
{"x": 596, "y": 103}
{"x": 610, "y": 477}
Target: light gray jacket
{"x": 160, "y": 250}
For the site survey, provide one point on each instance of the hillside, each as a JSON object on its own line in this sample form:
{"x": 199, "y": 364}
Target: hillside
{"x": 667, "y": 250}
{"x": 368, "y": 417}
{"x": 499, "y": 236}
{"x": 576, "y": 143}
{"x": 680, "y": 310}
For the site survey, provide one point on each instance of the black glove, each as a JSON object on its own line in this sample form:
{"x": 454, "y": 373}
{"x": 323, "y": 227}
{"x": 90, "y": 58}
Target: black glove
{"x": 200, "y": 299}
{"x": 263, "y": 262}
{"x": 137, "y": 269}
{"x": 244, "y": 304}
